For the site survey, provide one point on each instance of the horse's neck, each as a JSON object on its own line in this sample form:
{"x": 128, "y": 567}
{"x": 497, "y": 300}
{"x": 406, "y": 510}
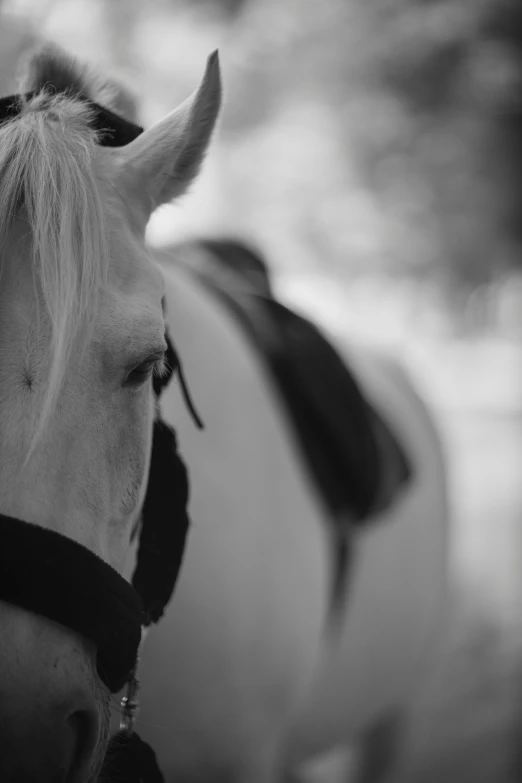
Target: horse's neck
{"x": 210, "y": 346}
{"x": 247, "y": 435}
{"x": 250, "y": 493}
{"x": 230, "y": 391}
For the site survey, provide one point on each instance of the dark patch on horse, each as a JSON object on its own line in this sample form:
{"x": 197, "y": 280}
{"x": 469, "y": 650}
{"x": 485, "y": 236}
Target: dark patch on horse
{"x": 27, "y": 379}
{"x": 242, "y": 260}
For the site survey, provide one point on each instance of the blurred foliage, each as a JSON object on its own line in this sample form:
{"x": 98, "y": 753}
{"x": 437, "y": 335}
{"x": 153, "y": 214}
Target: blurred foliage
{"x": 226, "y": 9}
{"x": 358, "y": 137}
{"x": 424, "y": 97}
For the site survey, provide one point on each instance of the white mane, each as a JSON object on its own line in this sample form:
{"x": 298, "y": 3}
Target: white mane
{"x": 46, "y": 175}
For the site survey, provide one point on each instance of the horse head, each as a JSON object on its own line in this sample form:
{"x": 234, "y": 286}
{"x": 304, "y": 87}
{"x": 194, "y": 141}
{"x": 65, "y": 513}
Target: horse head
{"x": 82, "y": 333}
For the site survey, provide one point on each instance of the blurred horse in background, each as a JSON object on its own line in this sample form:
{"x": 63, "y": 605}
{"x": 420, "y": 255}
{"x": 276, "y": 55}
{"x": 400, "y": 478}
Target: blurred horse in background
{"x": 309, "y": 606}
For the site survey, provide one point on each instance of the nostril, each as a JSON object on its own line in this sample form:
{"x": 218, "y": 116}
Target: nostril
{"x": 83, "y": 726}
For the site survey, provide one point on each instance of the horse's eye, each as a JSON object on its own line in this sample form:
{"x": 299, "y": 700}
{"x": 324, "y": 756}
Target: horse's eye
{"x": 141, "y": 374}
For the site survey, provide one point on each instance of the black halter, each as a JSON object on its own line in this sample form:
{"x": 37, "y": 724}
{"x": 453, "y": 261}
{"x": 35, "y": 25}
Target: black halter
{"x": 45, "y": 572}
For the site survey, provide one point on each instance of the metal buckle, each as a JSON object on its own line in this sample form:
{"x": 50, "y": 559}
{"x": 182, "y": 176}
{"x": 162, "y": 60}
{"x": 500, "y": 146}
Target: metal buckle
{"x": 130, "y": 704}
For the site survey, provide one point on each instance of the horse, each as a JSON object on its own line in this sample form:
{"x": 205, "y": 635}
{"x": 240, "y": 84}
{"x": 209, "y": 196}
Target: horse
{"x": 250, "y": 672}
{"x": 253, "y": 673}
{"x": 82, "y": 343}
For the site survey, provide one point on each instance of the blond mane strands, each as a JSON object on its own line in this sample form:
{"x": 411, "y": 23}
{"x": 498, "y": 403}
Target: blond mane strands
{"x": 46, "y": 158}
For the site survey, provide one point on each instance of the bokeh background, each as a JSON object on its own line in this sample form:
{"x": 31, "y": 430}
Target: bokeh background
{"x": 372, "y": 149}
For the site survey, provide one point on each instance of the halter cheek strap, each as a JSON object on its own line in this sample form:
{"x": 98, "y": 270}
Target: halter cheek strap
{"x": 164, "y": 517}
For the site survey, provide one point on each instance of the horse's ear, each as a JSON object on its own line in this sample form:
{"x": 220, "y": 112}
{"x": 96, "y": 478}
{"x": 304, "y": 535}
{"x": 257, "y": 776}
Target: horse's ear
{"x": 113, "y": 94}
{"x": 161, "y": 163}
{"x": 48, "y": 66}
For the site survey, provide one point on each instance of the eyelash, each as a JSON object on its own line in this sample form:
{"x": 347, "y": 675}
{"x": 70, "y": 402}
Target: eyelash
{"x": 139, "y": 376}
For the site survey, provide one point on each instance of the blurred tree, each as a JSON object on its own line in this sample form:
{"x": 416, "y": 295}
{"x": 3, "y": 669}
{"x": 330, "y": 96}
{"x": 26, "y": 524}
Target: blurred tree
{"x": 426, "y": 96}
{"x": 225, "y": 10}
{"x": 503, "y": 28}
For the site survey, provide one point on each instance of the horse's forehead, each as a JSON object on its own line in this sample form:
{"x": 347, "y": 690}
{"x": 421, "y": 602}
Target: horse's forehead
{"x": 132, "y": 268}
{"x": 136, "y": 287}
